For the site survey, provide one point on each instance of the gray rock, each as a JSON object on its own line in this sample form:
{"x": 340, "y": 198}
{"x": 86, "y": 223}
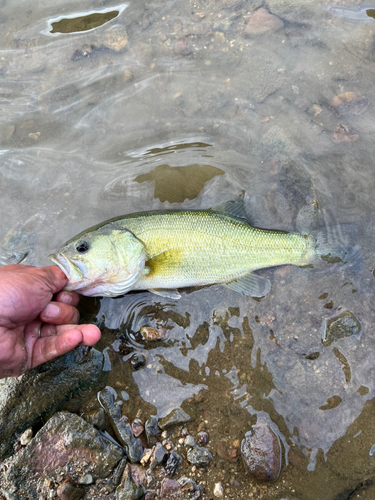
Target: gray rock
{"x": 189, "y": 441}
{"x": 344, "y": 325}
{"x": 25, "y": 401}
{"x": 172, "y": 464}
{"x": 199, "y": 456}
{"x": 159, "y": 455}
{"x": 128, "y": 489}
{"x": 261, "y": 452}
{"x": 86, "y": 479}
{"x": 63, "y": 444}
{"x": 176, "y": 417}
{"x": 120, "y": 425}
{"x": 152, "y": 429}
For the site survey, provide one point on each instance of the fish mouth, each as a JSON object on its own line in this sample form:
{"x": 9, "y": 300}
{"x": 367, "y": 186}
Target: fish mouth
{"x": 62, "y": 262}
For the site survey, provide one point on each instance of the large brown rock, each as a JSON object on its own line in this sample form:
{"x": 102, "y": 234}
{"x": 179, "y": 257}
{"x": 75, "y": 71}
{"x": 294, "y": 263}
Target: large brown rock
{"x": 262, "y": 22}
{"x": 261, "y": 452}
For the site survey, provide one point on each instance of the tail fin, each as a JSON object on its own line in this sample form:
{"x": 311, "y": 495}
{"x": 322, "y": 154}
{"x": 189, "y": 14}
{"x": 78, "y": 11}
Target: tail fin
{"x": 337, "y": 245}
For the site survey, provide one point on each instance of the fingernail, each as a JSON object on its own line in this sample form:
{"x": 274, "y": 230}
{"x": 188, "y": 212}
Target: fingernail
{"x": 51, "y": 311}
{"x": 66, "y": 298}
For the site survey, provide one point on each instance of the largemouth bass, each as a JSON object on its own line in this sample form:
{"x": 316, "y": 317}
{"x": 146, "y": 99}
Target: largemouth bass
{"x": 162, "y": 251}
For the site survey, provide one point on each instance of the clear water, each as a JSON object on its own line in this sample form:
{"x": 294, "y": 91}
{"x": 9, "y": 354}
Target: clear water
{"x": 110, "y": 108}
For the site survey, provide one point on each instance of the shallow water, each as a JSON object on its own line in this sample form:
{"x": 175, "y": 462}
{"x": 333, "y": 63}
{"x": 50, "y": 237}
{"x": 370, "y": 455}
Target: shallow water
{"x": 178, "y": 104}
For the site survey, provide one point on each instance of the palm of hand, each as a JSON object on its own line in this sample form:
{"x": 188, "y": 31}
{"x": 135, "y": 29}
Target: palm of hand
{"x": 33, "y": 328}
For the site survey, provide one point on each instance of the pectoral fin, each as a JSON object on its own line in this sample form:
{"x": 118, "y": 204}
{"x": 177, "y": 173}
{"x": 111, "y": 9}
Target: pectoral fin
{"x": 251, "y": 284}
{"x": 170, "y": 294}
{"x": 165, "y": 259}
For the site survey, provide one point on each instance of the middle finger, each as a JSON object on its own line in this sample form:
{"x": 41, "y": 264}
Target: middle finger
{"x": 58, "y": 313}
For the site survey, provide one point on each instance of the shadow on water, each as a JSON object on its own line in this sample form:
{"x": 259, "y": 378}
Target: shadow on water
{"x": 188, "y": 106}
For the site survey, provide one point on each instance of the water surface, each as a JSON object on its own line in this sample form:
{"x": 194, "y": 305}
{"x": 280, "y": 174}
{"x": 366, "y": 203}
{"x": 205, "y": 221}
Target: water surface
{"x": 186, "y": 105}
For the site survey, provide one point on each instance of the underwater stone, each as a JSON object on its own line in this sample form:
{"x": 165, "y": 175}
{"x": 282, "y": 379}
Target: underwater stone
{"x": 261, "y": 452}
{"x": 170, "y": 489}
{"x": 175, "y": 417}
{"x": 344, "y": 325}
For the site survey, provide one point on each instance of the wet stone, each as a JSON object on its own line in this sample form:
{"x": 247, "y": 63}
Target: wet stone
{"x": 137, "y": 361}
{"x": 190, "y": 489}
{"x": 95, "y": 417}
{"x": 203, "y": 437}
{"x": 63, "y": 444}
{"x": 261, "y": 452}
{"x": 176, "y": 417}
{"x": 189, "y": 441}
{"x": 24, "y": 401}
{"x": 137, "y": 427}
{"x": 86, "y": 479}
{"x": 152, "y": 429}
{"x": 120, "y": 425}
{"x": 170, "y": 489}
{"x": 172, "y": 464}
{"x": 159, "y": 455}
{"x": 344, "y": 325}
{"x": 182, "y": 47}
{"x": 199, "y": 456}
{"x": 68, "y": 491}
{"x": 128, "y": 489}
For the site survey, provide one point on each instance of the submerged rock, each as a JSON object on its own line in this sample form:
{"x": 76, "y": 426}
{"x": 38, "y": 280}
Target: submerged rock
{"x": 344, "y": 325}
{"x": 175, "y": 417}
{"x": 27, "y": 400}
{"x": 261, "y": 452}
{"x": 69, "y": 491}
{"x": 262, "y": 22}
{"x": 170, "y": 489}
{"x": 62, "y": 445}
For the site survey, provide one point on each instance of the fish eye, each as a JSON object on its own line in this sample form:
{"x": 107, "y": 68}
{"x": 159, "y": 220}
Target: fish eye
{"x": 82, "y": 246}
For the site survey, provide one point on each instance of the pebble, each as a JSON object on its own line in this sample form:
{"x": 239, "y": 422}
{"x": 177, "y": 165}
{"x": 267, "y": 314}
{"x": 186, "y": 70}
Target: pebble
{"x": 153, "y": 334}
{"x": 218, "y": 490}
{"x": 86, "y": 479}
{"x": 175, "y": 417}
{"x": 146, "y": 456}
{"x": 262, "y": 22}
{"x": 189, "y": 441}
{"x": 159, "y": 455}
{"x": 137, "y": 361}
{"x": 199, "y": 456}
{"x": 137, "y": 427}
{"x": 182, "y": 47}
{"x": 116, "y": 38}
{"x": 344, "y": 325}
{"x": 128, "y": 489}
{"x": 261, "y": 452}
{"x": 203, "y": 437}
{"x": 170, "y": 489}
{"x": 26, "y": 437}
{"x": 69, "y": 491}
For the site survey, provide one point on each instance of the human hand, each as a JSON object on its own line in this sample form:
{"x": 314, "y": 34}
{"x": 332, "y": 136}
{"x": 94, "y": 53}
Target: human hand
{"x": 33, "y": 327}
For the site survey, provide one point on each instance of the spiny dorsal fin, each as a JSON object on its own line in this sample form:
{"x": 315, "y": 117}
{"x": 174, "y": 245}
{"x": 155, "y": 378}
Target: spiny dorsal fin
{"x": 251, "y": 284}
{"x": 236, "y": 208}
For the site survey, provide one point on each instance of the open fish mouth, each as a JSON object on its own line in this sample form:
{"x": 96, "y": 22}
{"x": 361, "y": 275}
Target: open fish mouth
{"x": 61, "y": 261}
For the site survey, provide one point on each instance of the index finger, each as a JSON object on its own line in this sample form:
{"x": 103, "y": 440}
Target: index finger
{"x": 54, "y": 278}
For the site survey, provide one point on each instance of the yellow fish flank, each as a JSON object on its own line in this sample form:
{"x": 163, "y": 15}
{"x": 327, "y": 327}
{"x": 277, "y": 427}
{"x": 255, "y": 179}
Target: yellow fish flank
{"x": 162, "y": 251}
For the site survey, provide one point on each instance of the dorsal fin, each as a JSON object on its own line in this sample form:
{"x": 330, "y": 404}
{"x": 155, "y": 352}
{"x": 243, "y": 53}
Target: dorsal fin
{"x": 236, "y": 208}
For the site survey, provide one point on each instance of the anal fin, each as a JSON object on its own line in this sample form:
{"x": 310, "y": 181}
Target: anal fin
{"x": 251, "y": 284}
{"x": 164, "y": 292}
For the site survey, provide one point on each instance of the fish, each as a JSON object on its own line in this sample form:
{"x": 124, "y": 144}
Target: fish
{"x": 166, "y": 250}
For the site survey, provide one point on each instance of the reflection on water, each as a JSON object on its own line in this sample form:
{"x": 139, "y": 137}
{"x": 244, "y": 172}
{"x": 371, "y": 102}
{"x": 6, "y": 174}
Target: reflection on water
{"x": 82, "y": 23}
{"x": 123, "y": 118}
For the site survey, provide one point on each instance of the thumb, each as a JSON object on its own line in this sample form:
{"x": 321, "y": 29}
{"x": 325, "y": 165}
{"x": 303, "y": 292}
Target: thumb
{"x": 54, "y": 278}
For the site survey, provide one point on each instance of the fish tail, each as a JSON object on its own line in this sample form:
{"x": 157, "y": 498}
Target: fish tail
{"x": 337, "y": 245}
